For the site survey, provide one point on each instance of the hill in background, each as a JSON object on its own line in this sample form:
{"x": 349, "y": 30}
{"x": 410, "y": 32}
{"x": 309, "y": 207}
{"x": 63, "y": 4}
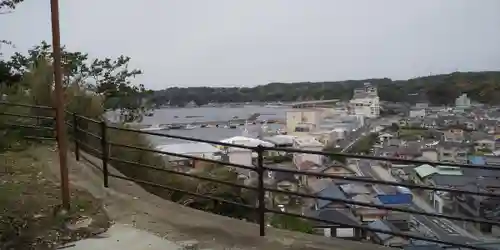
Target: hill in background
{"x": 482, "y": 87}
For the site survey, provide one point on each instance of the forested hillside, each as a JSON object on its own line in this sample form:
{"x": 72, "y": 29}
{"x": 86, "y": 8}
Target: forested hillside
{"x": 438, "y": 89}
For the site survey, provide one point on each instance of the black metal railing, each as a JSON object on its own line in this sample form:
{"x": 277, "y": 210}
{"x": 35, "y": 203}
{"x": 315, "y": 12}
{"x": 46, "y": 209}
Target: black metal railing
{"x": 98, "y": 130}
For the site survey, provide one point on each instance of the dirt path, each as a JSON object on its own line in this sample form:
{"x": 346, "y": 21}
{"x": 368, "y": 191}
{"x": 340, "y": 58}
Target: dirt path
{"x": 129, "y": 204}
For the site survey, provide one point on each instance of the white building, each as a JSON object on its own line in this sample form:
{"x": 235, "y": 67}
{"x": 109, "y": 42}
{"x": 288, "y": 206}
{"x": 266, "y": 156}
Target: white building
{"x": 365, "y": 102}
{"x": 240, "y": 156}
{"x": 307, "y": 143}
{"x": 462, "y": 101}
{"x": 302, "y": 120}
{"x": 196, "y": 149}
{"x": 418, "y": 113}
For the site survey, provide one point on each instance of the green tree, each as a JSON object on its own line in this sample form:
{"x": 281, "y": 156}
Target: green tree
{"x": 226, "y": 192}
{"x": 365, "y": 144}
{"x": 436, "y": 89}
{"x": 36, "y": 88}
{"x": 108, "y": 77}
{"x": 394, "y": 127}
{"x": 291, "y": 223}
{"x": 9, "y": 4}
{"x": 334, "y": 157}
{"x": 7, "y": 77}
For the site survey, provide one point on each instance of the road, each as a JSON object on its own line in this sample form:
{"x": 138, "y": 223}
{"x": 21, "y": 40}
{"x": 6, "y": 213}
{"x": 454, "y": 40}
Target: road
{"x": 354, "y": 137}
{"x": 439, "y": 228}
{"x": 442, "y": 229}
{"x": 369, "y": 126}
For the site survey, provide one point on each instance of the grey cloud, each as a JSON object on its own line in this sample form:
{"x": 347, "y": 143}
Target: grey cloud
{"x": 245, "y": 43}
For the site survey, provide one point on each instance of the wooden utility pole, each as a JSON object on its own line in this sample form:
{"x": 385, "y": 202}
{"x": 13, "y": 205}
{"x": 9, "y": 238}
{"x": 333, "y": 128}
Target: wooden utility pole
{"x": 59, "y": 104}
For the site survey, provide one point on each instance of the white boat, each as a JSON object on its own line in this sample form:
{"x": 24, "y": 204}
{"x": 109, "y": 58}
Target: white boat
{"x": 190, "y": 126}
{"x": 154, "y": 127}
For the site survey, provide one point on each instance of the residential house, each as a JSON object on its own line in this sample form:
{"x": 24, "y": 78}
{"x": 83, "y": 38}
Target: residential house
{"x": 454, "y": 135}
{"x": 334, "y": 168}
{"x": 421, "y": 174}
{"x": 337, "y": 168}
{"x": 352, "y": 189}
{"x": 368, "y": 214}
{"x": 343, "y": 224}
{"x": 197, "y": 149}
{"x": 417, "y": 113}
{"x": 399, "y": 197}
{"x": 332, "y": 191}
{"x": 482, "y": 141}
{"x": 394, "y": 142}
{"x": 324, "y": 137}
{"x": 421, "y": 105}
{"x": 310, "y": 144}
{"x": 240, "y": 156}
{"x": 308, "y": 166}
{"x": 441, "y": 122}
{"x": 429, "y": 123}
{"x": 385, "y": 137}
{"x": 316, "y": 185}
{"x": 453, "y": 151}
{"x": 445, "y": 202}
{"x": 388, "y": 151}
{"x": 480, "y": 207}
{"x": 480, "y": 180}
{"x": 383, "y": 238}
{"x": 439, "y": 176}
{"x": 281, "y": 141}
{"x": 403, "y": 122}
{"x": 488, "y": 145}
{"x": 488, "y": 125}
{"x": 491, "y": 160}
{"x": 470, "y": 125}
{"x": 415, "y": 122}
{"x": 284, "y": 181}
{"x": 430, "y": 154}
{"x": 410, "y": 150}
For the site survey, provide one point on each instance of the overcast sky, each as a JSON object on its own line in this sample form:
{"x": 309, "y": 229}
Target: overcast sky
{"x": 252, "y": 42}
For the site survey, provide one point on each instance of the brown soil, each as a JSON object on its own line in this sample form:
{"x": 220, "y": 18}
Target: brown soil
{"x": 30, "y": 214}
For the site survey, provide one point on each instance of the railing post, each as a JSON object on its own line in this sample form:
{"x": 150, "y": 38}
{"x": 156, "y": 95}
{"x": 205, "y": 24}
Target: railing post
{"x": 105, "y": 153}
{"x": 75, "y": 136}
{"x": 261, "y": 190}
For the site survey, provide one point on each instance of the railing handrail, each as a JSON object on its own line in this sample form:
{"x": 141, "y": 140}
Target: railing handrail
{"x": 260, "y": 169}
{"x": 26, "y": 105}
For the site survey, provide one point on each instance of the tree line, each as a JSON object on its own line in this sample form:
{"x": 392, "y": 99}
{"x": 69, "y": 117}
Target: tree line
{"x": 436, "y": 89}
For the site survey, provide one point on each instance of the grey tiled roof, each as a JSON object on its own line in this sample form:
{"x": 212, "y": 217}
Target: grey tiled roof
{"x": 340, "y": 216}
{"x": 331, "y": 191}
